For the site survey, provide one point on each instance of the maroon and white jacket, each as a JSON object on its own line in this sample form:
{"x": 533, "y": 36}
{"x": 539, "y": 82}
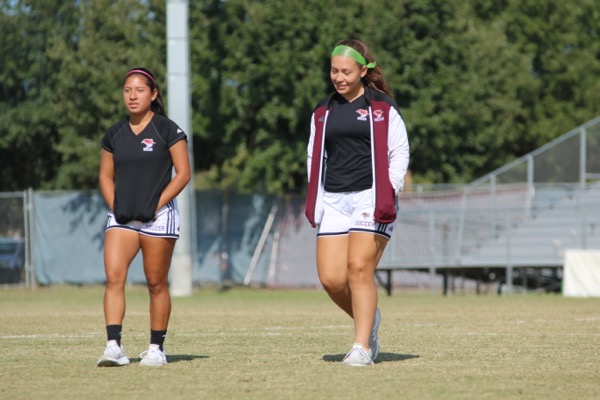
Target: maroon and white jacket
{"x": 389, "y": 154}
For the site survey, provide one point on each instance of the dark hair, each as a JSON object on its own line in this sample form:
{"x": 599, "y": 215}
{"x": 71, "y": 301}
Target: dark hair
{"x": 157, "y": 104}
{"x": 374, "y": 77}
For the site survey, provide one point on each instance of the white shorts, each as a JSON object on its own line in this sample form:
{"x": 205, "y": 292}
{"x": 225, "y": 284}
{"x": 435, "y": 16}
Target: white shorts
{"x": 350, "y": 212}
{"x": 165, "y": 224}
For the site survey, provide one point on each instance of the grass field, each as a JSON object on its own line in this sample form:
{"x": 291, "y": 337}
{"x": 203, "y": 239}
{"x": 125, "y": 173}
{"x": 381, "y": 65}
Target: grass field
{"x": 288, "y": 344}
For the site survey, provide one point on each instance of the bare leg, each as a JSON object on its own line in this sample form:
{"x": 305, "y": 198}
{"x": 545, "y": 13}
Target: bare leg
{"x": 332, "y": 265}
{"x": 364, "y": 253}
{"x": 157, "y": 261}
{"x": 120, "y": 248}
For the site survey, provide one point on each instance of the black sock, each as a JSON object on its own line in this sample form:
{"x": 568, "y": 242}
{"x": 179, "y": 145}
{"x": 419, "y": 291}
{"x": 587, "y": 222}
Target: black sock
{"x": 158, "y": 337}
{"x": 113, "y": 332}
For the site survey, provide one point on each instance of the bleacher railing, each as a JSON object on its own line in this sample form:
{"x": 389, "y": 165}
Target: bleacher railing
{"x": 524, "y": 214}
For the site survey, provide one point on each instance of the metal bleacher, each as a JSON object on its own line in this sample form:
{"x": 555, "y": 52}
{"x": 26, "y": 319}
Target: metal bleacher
{"x": 508, "y": 230}
{"x": 511, "y": 226}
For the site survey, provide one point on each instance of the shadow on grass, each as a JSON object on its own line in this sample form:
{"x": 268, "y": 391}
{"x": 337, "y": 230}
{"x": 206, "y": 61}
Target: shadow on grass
{"x": 173, "y": 358}
{"x": 383, "y": 357}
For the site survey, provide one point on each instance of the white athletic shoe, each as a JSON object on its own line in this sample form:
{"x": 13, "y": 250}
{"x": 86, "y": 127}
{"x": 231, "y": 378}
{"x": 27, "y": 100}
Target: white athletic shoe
{"x": 113, "y": 356}
{"x": 153, "y": 357}
{"x": 374, "y": 339}
{"x": 358, "y": 356}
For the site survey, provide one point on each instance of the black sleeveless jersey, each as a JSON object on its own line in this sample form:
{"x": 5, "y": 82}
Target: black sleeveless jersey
{"x": 348, "y": 146}
{"x": 143, "y": 165}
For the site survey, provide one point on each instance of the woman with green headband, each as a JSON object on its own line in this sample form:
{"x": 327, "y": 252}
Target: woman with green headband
{"x": 358, "y": 155}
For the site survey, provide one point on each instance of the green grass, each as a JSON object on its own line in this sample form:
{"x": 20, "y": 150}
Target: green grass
{"x": 287, "y": 344}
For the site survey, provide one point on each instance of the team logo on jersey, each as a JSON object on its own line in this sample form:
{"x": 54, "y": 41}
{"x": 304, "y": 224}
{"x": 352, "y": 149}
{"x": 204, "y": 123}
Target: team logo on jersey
{"x": 362, "y": 114}
{"x": 378, "y": 115}
{"x": 148, "y": 143}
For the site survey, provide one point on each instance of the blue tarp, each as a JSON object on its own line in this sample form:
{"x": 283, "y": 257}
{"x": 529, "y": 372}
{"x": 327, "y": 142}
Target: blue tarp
{"x": 68, "y": 236}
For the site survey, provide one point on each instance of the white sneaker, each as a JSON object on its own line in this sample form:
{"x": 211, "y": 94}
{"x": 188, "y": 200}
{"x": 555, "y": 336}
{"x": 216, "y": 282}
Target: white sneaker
{"x": 153, "y": 357}
{"x": 114, "y": 355}
{"x": 374, "y": 339}
{"x": 358, "y": 356}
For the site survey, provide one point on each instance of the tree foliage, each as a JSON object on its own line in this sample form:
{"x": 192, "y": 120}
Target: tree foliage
{"x": 478, "y": 83}
{"x": 61, "y": 83}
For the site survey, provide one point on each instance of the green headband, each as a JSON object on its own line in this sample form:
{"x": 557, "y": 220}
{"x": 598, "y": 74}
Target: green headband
{"x": 348, "y": 51}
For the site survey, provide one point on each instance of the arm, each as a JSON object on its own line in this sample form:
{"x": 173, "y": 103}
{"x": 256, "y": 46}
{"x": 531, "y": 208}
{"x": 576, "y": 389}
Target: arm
{"x": 106, "y": 177}
{"x": 309, "y": 148}
{"x": 181, "y": 163}
{"x": 398, "y": 150}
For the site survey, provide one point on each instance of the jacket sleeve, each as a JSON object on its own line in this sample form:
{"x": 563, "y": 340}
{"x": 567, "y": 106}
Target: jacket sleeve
{"x": 398, "y": 150}
{"x": 310, "y": 147}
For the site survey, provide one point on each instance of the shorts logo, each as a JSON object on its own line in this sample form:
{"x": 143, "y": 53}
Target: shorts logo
{"x": 378, "y": 116}
{"x": 148, "y": 143}
{"x": 362, "y": 114}
{"x": 366, "y": 224}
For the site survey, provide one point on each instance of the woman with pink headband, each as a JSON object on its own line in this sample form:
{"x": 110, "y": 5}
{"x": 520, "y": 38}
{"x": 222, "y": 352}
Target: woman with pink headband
{"x": 136, "y": 179}
{"x": 358, "y": 155}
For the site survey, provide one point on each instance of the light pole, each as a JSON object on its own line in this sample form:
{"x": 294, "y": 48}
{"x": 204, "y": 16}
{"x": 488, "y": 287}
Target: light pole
{"x": 179, "y": 97}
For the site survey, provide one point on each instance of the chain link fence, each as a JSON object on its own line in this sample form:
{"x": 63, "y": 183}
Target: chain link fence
{"x": 524, "y": 215}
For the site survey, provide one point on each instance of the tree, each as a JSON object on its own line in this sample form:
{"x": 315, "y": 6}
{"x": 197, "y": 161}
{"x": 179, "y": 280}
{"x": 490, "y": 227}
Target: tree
{"x": 61, "y": 83}
{"x": 562, "y": 41}
{"x": 92, "y": 69}
{"x": 478, "y": 83}
{"x": 460, "y": 86}
{"x": 263, "y": 54}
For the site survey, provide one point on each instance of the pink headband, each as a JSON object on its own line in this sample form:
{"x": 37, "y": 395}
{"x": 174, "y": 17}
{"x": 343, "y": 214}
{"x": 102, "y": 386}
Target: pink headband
{"x": 139, "y": 71}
